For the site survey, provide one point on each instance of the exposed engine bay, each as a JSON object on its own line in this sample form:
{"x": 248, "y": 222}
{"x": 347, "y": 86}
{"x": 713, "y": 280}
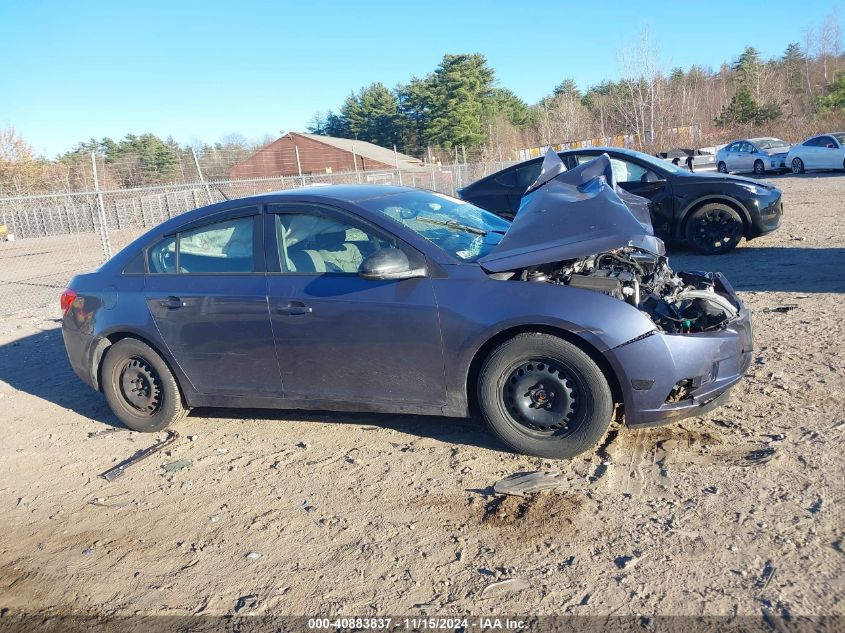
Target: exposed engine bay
{"x": 678, "y": 303}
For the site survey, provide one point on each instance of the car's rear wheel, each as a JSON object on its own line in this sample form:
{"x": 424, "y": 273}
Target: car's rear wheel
{"x": 541, "y": 395}
{"x": 797, "y": 166}
{"x": 759, "y": 168}
{"x": 714, "y": 229}
{"x": 723, "y": 169}
{"x": 139, "y": 387}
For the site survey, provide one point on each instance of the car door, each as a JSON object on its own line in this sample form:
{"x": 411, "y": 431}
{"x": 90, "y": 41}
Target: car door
{"x": 828, "y": 153}
{"x": 206, "y": 289}
{"x": 646, "y": 183}
{"x": 744, "y": 160}
{"x": 340, "y": 336}
{"x": 810, "y": 153}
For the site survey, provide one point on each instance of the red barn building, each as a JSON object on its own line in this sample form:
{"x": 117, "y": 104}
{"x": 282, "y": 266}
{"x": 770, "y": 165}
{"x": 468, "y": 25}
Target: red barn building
{"x": 319, "y": 155}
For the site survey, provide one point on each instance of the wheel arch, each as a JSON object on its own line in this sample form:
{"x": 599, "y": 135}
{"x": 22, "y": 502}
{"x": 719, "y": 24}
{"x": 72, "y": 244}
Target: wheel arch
{"x": 733, "y": 203}
{"x": 470, "y": 385}
{"x": 107, "y": 341}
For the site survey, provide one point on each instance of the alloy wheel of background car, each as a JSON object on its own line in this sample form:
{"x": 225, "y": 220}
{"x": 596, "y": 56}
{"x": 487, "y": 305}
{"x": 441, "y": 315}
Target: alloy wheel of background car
{"x": 542, "y": 395}
{"x": 797, "y": 166}
{"x": 139, "y": 387}
{"x": 714, "y": 229}
{"x": 759, "y": 168}
{"x": 723, "y": 169}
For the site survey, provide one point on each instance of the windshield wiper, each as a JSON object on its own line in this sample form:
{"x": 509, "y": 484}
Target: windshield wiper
{"x": 455, "y": 225}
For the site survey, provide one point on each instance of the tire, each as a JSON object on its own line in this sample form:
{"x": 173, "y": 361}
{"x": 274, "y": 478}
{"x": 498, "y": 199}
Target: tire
{"x": 140, "y": 388}
{"x": 722, "y": 168}
{"x": 797, "y": 166}
{"x": 563, "y": 391}
{"x": 759, "y": 168}
{"x": 714, "y": 229}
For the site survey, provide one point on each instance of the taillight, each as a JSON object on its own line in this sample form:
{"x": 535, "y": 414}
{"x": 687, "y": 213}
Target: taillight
{"x": 68, "y": 297}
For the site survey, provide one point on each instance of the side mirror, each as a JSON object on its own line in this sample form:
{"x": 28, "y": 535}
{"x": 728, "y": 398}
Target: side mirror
{"x": 389, "y": 263}
{"x": 753, "y": 150}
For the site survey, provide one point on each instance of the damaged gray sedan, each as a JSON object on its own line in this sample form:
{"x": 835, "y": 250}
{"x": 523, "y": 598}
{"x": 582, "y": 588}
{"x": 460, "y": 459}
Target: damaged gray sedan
{"x": 391, "y": 299}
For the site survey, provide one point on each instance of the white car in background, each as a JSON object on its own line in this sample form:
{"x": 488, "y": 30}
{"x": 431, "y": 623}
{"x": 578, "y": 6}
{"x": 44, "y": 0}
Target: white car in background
{"x": 826, "y": 151}
{"x": 757, "y": 155}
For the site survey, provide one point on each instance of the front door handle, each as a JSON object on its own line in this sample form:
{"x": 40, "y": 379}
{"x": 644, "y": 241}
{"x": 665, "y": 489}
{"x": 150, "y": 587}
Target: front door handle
{"x": 171, "y": 303}
{"x": 294, "y": 308}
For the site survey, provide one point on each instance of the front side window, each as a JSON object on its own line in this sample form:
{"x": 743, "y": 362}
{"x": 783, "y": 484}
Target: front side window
{"x": 461, "y": 229}
{"x": 827, "y": 141}
{"x": 222, "y": 247}
{"x": 313, "y": 243}
{"x": 623, "y": 170}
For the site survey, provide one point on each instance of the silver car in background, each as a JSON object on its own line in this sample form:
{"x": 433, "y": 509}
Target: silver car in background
{"x": 757, "y": 155}
{"x": 826, "y": 151}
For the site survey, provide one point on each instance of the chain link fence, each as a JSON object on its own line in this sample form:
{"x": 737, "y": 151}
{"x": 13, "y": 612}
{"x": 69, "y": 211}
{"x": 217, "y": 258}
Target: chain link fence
{"x": 53, "y": 236}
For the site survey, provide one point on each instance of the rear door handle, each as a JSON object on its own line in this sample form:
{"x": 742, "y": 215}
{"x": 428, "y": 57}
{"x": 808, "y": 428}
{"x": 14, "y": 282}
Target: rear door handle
{"x": 294, "y": 308}
{"x": 171, "y": 303}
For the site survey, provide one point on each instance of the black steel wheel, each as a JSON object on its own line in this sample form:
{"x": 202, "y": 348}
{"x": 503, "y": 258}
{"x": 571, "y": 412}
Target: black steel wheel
{"x": 723, "y": 169}
{"x": 797, "y": 166}
{"x": 759, "y": 168}
{"x": 714, "y": 229}
{"x": 542, "y": 395}
{"x": 140, "y": 387}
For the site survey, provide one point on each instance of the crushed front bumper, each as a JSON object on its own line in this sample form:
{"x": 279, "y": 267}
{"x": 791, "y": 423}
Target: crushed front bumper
{"x": 708, "y": 364}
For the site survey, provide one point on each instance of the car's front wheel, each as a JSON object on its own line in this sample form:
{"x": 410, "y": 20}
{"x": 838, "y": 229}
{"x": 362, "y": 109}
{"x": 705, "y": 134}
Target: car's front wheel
{"x": 541, "y": 395}
{"x": 139, "y": 387}
{"x": 759, "y": 168}
{"x": 723, "y": 169}
{"x": 714, "y": 229}
{"x": 797, "y": 166}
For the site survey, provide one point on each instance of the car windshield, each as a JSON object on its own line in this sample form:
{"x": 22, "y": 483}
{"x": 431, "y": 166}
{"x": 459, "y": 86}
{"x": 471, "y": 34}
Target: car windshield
{"x": 461, "y": 229}
{"x": 840, "y": 137}
{"x": 770, "y": 143}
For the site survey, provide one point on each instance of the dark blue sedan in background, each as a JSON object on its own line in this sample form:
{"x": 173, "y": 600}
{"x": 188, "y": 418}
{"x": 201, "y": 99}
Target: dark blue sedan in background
{"x": 391, "y": 299}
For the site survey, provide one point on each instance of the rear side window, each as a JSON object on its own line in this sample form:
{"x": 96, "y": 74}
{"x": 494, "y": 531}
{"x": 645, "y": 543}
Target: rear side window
{"x": 813, "y": 142}
{"x": 222, "y": 247}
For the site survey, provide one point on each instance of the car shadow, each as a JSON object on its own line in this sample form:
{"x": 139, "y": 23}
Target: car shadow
{"x": 37, "y": 364}
{"x": 776, "y": 268}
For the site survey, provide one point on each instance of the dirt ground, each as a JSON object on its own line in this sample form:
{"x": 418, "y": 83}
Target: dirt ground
{"x": 317, "y": 514}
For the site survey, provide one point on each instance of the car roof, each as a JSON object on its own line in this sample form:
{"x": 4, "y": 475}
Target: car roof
{"x": 347, "y": 193}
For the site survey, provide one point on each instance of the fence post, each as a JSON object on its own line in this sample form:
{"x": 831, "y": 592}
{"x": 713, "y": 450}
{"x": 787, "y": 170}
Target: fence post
{"x": 299, "y": 165}
{"x": 355, "y": 160}
{"x": 396, "y": 161}
{"x": 202, "y": 178}
{"x": 101, "y": 209}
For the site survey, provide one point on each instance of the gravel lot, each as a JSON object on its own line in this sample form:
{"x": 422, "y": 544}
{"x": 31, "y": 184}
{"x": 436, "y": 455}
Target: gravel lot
{"x": 736, "y": 513}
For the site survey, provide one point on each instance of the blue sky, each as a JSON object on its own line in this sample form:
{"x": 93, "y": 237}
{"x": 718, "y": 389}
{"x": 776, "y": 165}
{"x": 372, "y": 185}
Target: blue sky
{"x": 200, "y": 70}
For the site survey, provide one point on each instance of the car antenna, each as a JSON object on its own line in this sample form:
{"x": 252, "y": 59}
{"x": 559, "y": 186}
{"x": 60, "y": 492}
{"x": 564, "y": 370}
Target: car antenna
{"x": 225, "y": 197}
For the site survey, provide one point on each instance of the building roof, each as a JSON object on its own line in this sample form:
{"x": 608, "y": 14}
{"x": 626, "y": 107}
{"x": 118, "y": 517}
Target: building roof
{"x": 365, "y": 149}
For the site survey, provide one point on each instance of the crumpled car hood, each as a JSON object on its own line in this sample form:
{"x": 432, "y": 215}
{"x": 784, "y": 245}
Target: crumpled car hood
{"x": 572, "y": 214}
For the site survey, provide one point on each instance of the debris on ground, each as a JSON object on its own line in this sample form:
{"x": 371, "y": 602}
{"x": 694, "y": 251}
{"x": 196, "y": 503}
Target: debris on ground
{"x": 760, "y": 455}
{"x": 178, "y": 465}
{"x": 521, "y": 484}
{"x": 786, "y": 307}
{"x": 502, "y": 587}
{"x": 113, "y": 473}
{"x": 253, "y": 556}
{"x": 104, "y": 432}
{"x": 305, "y": 505}
{"x": 250, "y": 601}
{"x": 766, "y": 575}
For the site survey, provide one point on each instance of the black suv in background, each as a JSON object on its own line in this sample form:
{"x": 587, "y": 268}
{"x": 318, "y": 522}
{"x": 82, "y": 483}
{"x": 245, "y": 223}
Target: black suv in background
{"x": 711, "y": 211}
